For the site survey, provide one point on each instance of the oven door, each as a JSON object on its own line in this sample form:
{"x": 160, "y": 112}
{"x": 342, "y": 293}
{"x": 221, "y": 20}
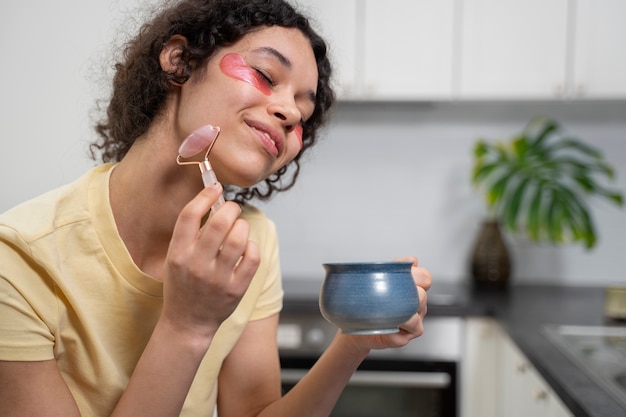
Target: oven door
{"x": 389, "y": 388}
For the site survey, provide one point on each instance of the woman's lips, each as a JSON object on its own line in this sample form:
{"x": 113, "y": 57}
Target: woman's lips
{"x": 269, "y": 138}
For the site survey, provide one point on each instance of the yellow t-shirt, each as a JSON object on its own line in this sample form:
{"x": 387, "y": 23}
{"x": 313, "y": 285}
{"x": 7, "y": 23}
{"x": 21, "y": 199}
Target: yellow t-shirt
{"x": 69, "y": 290}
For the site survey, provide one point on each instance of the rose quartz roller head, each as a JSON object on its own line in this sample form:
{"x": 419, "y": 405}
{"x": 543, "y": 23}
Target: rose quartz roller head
{"x": 199, "y": 140}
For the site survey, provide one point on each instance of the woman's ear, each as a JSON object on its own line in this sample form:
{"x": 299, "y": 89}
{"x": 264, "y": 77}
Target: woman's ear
{"x": 173, "y": 60}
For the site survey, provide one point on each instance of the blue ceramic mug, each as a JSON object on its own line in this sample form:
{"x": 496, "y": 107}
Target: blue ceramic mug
{"x": 368, "y": 298}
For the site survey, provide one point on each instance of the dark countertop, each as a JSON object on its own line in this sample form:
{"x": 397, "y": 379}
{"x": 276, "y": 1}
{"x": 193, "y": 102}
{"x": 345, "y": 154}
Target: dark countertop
{"x": 524, "y": 312}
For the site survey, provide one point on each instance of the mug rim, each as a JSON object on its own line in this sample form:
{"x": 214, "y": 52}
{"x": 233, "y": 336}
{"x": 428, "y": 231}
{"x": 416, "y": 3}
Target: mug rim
{"x": 375, "y": 263}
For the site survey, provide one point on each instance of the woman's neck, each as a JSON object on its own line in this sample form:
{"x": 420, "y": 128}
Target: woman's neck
{"x": 148, "y": 189}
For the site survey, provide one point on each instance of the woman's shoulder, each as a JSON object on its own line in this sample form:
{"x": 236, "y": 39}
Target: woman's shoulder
{"x": 42, "y": 214}
{"x": 253, "y": 213}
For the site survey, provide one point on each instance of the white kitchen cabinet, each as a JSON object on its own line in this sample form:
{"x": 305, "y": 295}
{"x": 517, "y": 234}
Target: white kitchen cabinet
{"x": 441, "y": 50}
{"x": 408, "y": 50}
{"x": 498, "y": 380}
{"x": 513, "y": 49}
{"x": 391, "y": 50}
{"x": 523, "y": 391}
{"x": 337, "y": 23}
{"x": 479, "y": 369}
{"x": 599, "y": 49}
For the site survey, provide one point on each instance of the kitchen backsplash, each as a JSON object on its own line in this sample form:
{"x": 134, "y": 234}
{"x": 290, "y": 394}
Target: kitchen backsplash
{"x": 390, "y": 180}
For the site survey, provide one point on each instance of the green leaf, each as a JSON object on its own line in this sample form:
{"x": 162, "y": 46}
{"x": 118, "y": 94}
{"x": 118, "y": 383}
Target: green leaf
{"x": 512, "y": 207}
{"x": 591, "y": 186}
{"x": 613, "y": 196}
{"x": 617, "y": 198}
{"x": 578, "y": 217}
{"x": 481, "y": 148}
{"x": 585, "y": 182}
{"x": 589, "y": 236}
{"x": 534, "y": 213}
{"x": 555, "y": 221}
{"x": 497, "y": 189}
{"x": 483, "y": 171}
{"x": 520, "y": 146}
{"x": 577, "y": 145}
{"x": 546, "y": 128}
{"x": 501, "y": 151}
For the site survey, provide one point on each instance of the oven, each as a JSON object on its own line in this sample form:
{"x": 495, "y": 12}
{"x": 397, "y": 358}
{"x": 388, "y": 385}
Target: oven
{"x": 420, "y": 379}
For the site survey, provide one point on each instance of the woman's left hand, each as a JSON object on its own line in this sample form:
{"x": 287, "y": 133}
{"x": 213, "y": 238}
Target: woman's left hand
{"x": 412, "y": 328}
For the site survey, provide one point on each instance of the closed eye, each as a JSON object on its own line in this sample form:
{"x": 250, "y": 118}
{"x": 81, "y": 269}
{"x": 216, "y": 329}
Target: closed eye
{"x": 266, "y": 78}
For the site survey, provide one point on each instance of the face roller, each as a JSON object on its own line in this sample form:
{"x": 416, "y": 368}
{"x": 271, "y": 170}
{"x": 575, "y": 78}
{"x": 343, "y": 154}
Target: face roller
{"x": 199, "y": 140}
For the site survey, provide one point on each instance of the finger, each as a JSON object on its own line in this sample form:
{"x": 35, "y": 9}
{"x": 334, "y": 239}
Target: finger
{"x": 234, "y": 245}
{"x": 422, "y": 277}
{"x": 191, "y": 216}
{"x": 423, "y": 301}
{"x": 415, "y": 325}
{"x": 217, "y": 232}
{"x": 248, "y": 265}
{"x": 408, "y": 331}
{"x": 407, "y": 259}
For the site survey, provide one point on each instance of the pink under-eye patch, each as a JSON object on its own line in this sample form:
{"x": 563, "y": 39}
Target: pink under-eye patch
{"x": 236, "y": 67}
{"x": 298, "y": 131}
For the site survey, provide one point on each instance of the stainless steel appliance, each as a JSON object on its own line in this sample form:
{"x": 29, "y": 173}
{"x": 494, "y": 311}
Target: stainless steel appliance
{"x": 420, "y": 379}
{"x": 598, "y": 350}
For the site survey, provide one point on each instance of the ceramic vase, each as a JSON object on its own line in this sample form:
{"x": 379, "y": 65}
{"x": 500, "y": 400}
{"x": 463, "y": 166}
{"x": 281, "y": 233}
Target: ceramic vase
{"x": 490, "y": 260}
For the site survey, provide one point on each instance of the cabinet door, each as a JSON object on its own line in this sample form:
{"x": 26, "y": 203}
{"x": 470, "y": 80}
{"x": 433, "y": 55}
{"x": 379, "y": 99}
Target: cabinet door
{"x": 513, "y": 49}
{"x": 512, "y": 400}
{"x": 336, "y": 21}
{"x": 408, "y": 49}
{"x": 480, "y": 384}
{"x": 524, "y": 392}
{"x": 542, "y": 400}
{"x": 599, "y": 49}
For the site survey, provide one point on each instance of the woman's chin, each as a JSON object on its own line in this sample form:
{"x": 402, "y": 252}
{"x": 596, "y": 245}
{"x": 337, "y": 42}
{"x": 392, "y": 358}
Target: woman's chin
{"x": 243, "y": 179}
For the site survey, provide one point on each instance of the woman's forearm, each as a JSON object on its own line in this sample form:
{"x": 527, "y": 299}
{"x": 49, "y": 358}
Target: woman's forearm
{"x": 317, "y": 392}
{"x": 163, "y": 375}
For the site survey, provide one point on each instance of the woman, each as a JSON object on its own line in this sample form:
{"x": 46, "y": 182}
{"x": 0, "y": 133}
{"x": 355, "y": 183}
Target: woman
{"x": 120, "y": 294}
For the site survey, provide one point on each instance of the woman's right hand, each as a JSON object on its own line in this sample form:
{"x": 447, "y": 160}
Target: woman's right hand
{"x": 208, "y": 266}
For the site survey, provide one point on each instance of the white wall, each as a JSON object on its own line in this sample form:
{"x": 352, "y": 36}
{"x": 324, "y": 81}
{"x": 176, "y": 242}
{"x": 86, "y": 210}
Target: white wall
{"x": 54, "y": 57}
{"x": 386, "y": 181}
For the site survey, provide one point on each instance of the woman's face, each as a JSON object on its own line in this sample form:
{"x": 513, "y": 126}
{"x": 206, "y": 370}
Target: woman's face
{"x": 258, "y": 91}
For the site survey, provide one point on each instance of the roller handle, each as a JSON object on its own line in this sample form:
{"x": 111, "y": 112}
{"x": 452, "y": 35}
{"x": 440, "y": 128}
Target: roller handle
{"x": 208, "y": 178}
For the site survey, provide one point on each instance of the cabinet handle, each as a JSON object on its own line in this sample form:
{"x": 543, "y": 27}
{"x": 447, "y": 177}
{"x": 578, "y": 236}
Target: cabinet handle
{"x": 521, "y": 368}
{"x": 540, "y": 395}
{"x": 437, "y": 380}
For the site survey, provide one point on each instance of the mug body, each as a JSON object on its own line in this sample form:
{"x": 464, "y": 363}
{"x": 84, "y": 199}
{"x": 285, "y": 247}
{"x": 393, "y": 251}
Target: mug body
{"x": 368, "y": 298}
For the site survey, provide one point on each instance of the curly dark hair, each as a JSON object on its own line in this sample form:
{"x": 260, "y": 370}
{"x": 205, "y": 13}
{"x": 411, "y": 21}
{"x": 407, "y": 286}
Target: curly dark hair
{"x": 140, "y": 86}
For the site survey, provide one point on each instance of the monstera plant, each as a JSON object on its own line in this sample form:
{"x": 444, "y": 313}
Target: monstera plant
{"x": 539, "y": 183}
{"x": 536, "y": 184}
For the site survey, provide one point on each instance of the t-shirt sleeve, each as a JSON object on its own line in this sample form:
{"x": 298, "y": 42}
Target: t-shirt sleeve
{"x": 270, "y": 299}
{"x": 24, "y": 334}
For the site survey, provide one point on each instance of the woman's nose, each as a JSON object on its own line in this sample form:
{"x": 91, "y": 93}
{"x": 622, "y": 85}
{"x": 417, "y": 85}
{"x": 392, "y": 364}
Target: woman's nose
{"x": 287, "y": 112}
